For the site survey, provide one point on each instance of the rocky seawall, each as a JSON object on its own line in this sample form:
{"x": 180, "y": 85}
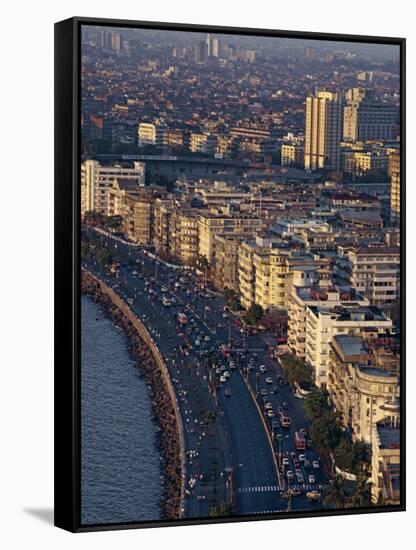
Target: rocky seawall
{"x": 148, "y": 361}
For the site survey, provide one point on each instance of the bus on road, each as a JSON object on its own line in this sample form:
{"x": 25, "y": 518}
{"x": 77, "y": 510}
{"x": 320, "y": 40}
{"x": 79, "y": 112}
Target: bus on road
{"x": 300, "y": 441}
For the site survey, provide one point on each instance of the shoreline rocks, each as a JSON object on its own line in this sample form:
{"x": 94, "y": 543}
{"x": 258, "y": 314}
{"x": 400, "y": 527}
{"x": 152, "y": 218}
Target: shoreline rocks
{"x": 167, "y": 436}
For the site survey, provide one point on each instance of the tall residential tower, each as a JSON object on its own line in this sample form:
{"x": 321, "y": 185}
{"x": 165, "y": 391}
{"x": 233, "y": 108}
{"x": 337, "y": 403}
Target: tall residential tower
{"x": 323, "y": 131}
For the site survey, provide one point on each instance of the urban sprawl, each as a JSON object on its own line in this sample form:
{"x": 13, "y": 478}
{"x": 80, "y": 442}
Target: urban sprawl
{"x": 242, "y": 196}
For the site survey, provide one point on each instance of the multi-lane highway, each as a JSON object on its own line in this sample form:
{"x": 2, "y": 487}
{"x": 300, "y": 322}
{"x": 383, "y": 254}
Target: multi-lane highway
{"x": 231, "y": 457}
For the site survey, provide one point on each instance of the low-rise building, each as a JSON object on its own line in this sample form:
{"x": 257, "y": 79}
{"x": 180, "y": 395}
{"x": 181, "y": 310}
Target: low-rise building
{"x": 292, "y": 154}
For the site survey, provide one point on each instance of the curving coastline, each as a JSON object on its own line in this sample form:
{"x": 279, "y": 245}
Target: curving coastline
{"x": 150, "y": 363}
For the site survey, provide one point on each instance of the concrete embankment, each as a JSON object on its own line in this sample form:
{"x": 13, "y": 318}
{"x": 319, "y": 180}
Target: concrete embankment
{"x": 165, "y": 409}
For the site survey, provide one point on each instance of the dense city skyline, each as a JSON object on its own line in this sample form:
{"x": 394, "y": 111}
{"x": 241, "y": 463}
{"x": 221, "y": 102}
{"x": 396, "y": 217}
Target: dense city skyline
{"x": 240, "y": 220}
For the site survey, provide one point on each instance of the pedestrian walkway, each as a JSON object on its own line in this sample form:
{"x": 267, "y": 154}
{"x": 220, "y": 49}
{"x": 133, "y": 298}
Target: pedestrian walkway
{"x": 307, "y": 486}
{"x": 259, "y": 489}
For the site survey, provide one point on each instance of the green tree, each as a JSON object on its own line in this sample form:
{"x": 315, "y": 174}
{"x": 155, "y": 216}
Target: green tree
{"x": 211, "y": 358}
{"x": 362, "y": 491}
{"x": 254, "y": 314}
{"x": 352, "y": 457}
{"x": 114, "y": 223}
{"x": 325, "y": 431}
{"x": 209, "y": 418}
{"x": 315, "y": 403}
{"x": 295, "y": 370}
{"x": 231, "y": 299}
{"x": 336, "y": 493}
{"x": 222, "y": 510}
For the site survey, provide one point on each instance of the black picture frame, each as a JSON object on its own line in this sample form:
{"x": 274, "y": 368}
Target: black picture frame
{"x": 67, "y": 268}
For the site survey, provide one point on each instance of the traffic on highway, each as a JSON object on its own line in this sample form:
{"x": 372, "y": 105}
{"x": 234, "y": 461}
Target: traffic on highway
{"x": 247, "y": 446}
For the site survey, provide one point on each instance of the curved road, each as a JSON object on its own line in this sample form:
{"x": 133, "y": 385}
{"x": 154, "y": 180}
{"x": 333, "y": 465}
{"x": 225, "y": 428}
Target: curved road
{"x": 232, "y": 459}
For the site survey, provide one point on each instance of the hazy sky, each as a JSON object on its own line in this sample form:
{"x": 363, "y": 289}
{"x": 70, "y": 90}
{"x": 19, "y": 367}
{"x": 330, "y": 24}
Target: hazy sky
{"x": 377, "y": 52}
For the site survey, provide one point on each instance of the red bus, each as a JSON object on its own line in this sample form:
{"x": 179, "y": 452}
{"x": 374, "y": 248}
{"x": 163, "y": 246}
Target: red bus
{"x": 225, "y": 350}
{"x": 300, "y": 441}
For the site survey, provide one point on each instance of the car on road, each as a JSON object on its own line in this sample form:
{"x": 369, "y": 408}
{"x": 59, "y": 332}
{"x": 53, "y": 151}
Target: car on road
{"x": 302, "y": 458}
{"x": 226, "y": 374}
{"x": 223, "y": 379}
{"x": 218, "y": 371}
{"x": 307, "y": 464}
{"x": 269, "y": 380}
{"x": 264, "y": 392}
{"x": 313, "y": 495}
{"x": 232, "y": 365}
{"x": 311, "y": 478}
{"x": 228, "y": 392}
{"x": 315, "y": 464}
{"x": 275, "y": 389}
{"x": 197, "y": 343}
{"x": 285, "y": 405}
{"x": 270, "y": 413}
{"x": 207, "y": 338}
{"x": 303, "y": 430}
{"x": 263, "y": 368}
{"x": 268, "y": 406}
{"x": 289, "y": 475}
{"x": 285, "y": 461}
{"x": 299, "y": 478}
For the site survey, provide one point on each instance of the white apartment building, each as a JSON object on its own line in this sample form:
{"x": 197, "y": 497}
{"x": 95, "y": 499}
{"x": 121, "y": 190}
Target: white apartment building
{"x": 97, "y": 181}
{"x": 372, "y": 271}
{"x": 323, "y": 323}
{"x": 151, "y": 134}
{"x": 305, "y": 296}
{"x": 287, "y": 228}
{"x": 361, "y": 392}
{"x": 228, "y": 225}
